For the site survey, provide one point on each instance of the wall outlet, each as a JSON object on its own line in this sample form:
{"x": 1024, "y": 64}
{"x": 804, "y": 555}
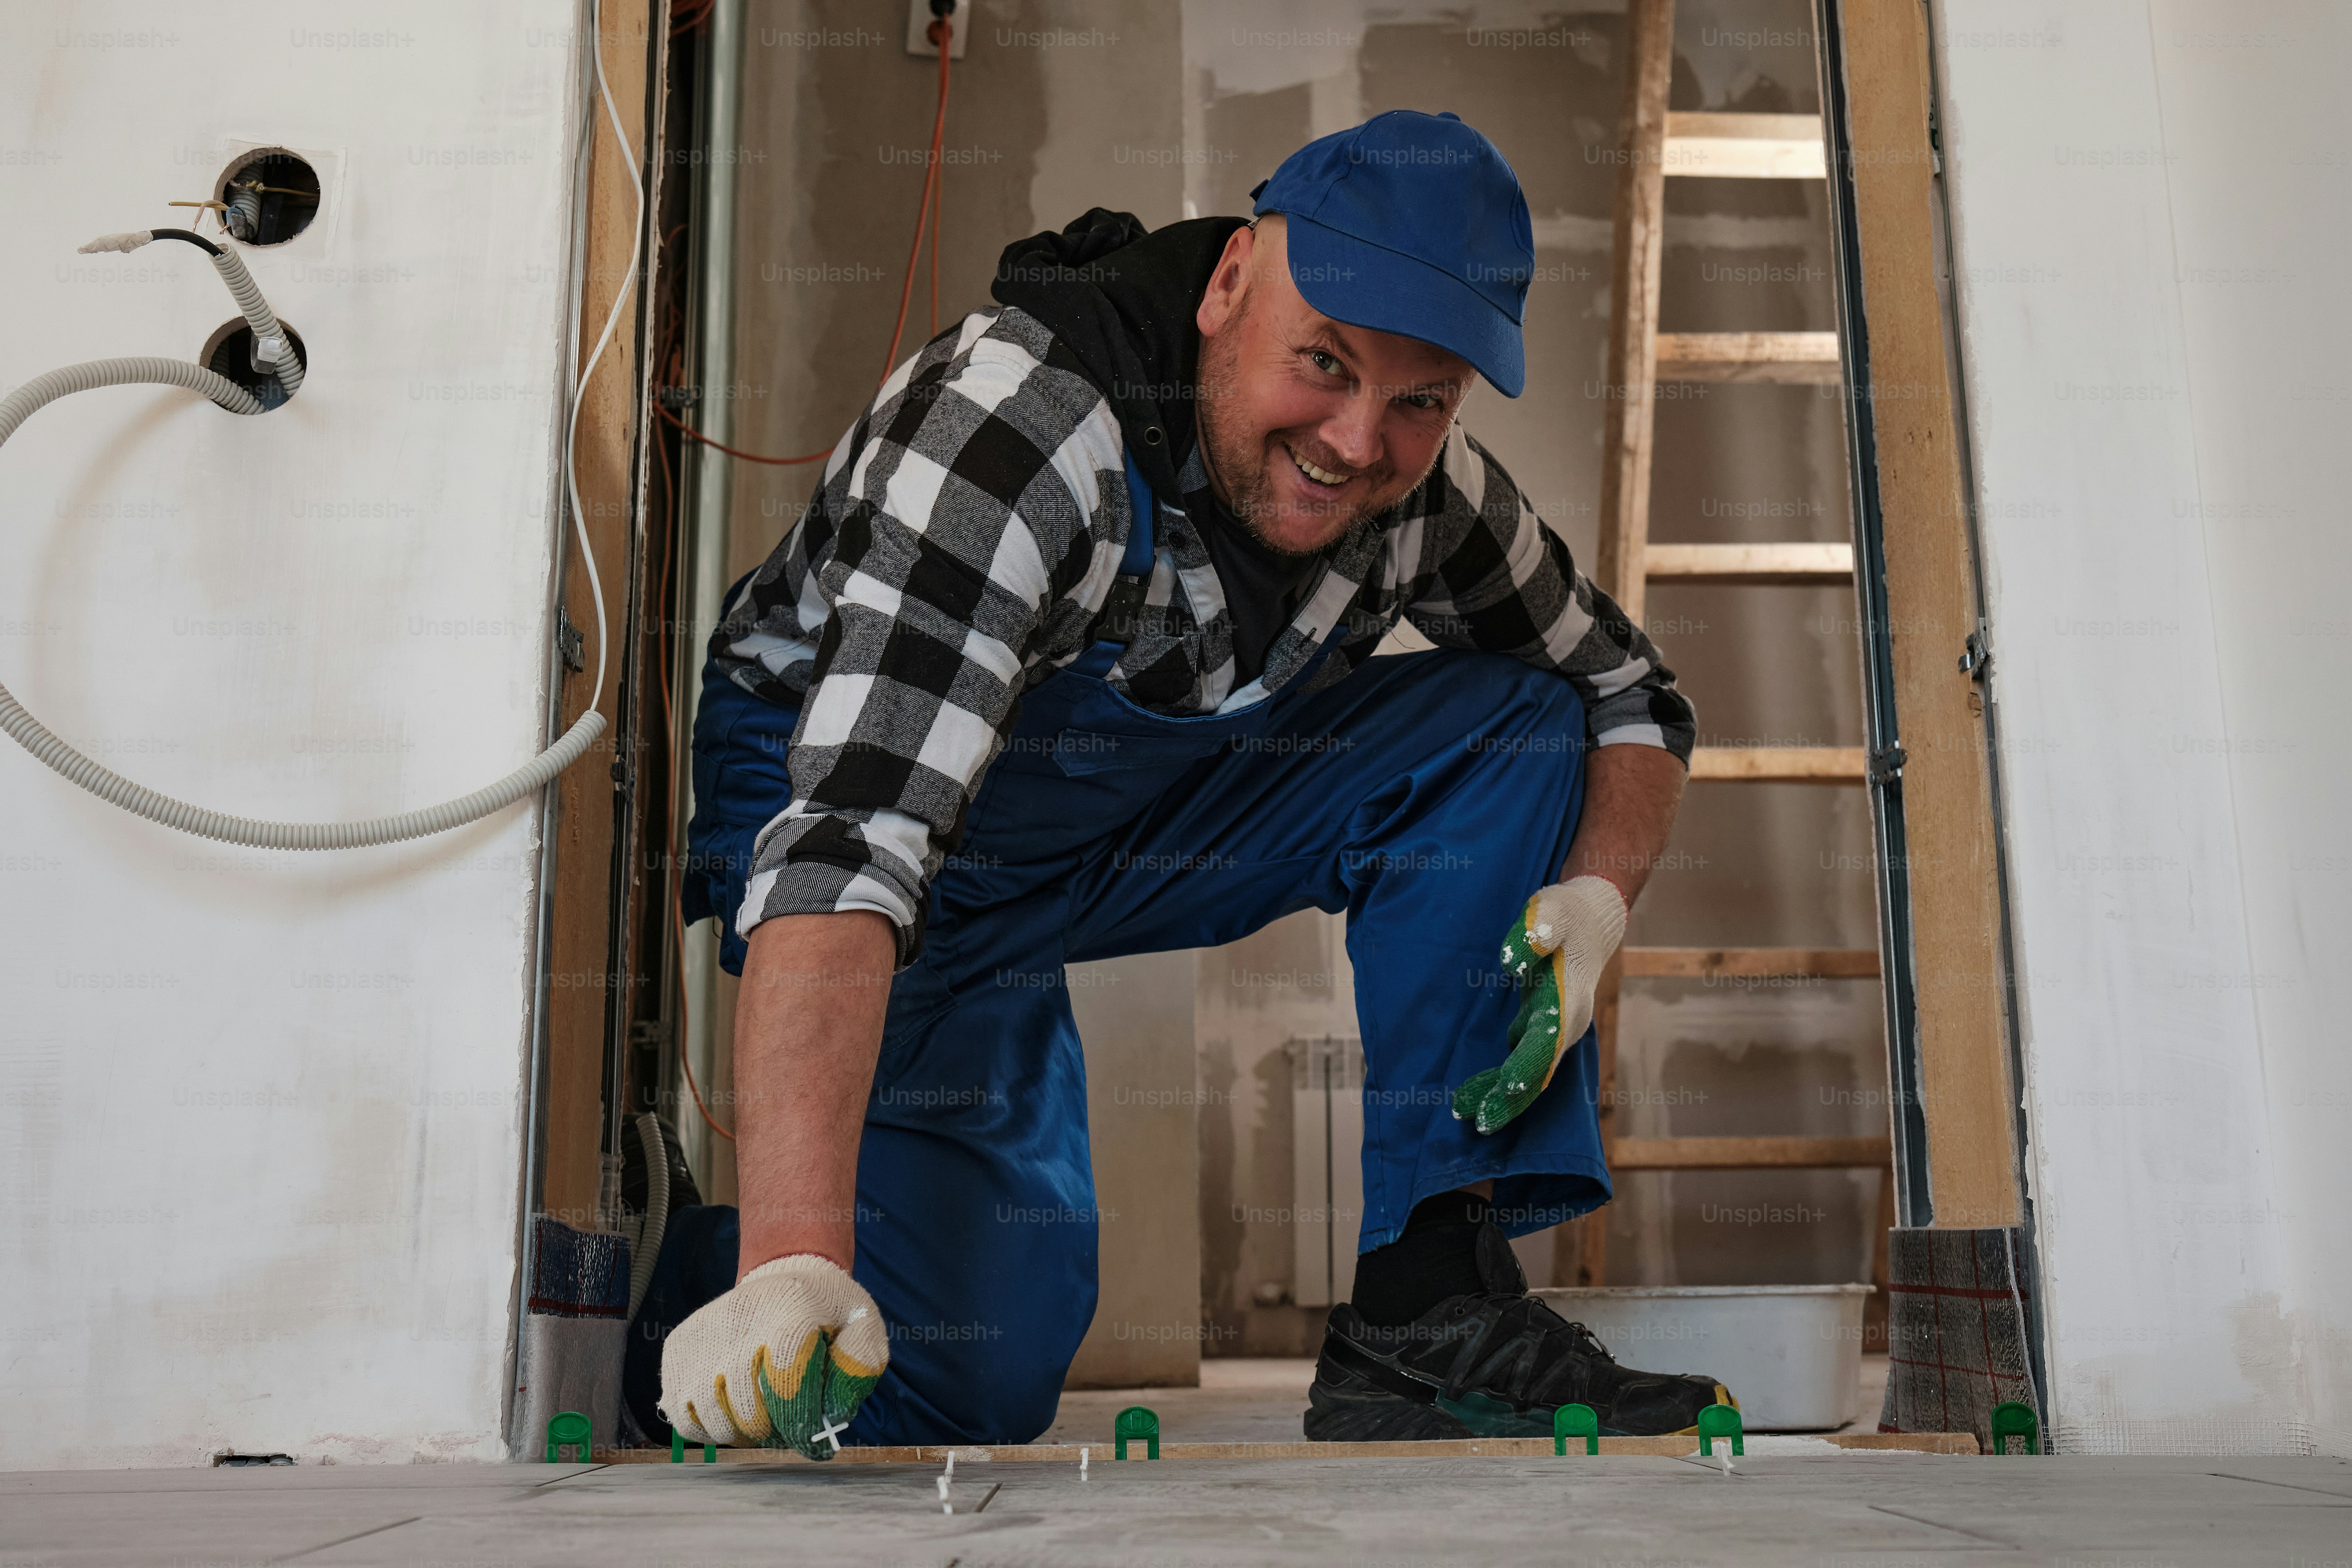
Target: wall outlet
{"x": 919, "y": 24}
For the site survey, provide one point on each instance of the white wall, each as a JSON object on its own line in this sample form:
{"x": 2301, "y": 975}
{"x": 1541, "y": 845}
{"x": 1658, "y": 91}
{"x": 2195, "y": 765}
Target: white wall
{"x": 2151, "y": 217}
{"x": 262, "y": 1122}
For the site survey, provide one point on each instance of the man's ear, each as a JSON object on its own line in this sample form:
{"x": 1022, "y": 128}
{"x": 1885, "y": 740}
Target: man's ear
{"x": 1221, "y": 300}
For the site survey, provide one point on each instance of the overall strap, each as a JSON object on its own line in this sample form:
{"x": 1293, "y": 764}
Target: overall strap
{"x": 1115, "y": 626}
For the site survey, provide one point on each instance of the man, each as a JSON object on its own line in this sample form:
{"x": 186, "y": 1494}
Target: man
{"x": 1072, "y": 658}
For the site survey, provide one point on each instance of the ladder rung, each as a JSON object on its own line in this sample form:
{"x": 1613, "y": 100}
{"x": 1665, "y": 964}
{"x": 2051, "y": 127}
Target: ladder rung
{"x": 1779, "y": 764}
{"x": 1809, "y": 359}
{"x": 1749, "y": 564}
{"x": 1750, "y": 1153}
{"x": 1745, "y": 146}
{"x": 1714, "y": 962}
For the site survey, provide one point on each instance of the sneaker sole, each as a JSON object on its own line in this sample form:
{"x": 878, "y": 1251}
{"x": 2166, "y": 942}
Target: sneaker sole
{"x": 1352, "y": 1407}
{"x": 1362, "y": 1414}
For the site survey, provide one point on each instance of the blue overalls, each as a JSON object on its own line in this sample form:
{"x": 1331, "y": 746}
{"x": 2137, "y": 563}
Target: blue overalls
{"x": 1428, "y": 795}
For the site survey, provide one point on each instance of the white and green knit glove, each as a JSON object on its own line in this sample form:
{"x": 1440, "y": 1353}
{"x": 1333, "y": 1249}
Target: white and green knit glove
{"x": 783, "y": 1360}
{"x": 1555, "y": 953}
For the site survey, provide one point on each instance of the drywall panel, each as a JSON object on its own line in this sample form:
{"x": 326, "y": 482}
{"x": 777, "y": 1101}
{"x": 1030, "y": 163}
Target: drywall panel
{"x": 2154, "y": 497}
{"x": 264, "y": 1121}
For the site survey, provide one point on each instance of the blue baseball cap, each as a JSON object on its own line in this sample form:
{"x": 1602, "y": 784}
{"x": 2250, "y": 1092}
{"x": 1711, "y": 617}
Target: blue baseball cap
{"x": 1413, "y": 224}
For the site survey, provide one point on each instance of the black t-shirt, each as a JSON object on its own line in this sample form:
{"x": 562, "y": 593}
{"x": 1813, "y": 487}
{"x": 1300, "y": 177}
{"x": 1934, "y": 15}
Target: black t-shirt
{"x": 1263, "y": 587}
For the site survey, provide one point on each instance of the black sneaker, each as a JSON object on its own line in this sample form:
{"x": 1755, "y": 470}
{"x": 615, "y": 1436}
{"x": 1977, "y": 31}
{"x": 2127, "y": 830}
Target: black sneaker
{"x": 1496, "y": 1364}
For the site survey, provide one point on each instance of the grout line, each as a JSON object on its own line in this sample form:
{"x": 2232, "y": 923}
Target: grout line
{"x": 1939, "y": 1525}
{"x": 340, "y": 1541}
{"x": 573, "y": 1476}
{"x": 2292, "y": 1486}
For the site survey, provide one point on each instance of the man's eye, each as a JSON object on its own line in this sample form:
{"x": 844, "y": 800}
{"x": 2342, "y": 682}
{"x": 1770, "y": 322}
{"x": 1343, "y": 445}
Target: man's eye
{"x": 1323, "y": 362}
{"x": 1424, "y": 400}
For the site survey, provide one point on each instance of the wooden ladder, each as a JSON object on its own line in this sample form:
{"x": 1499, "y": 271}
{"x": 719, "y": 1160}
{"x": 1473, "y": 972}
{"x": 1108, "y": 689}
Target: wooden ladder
{"x": 1657, "y": 143}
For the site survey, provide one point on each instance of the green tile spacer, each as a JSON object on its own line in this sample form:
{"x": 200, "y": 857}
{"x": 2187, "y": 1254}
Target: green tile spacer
{"x": 1135, "y": 1421}
{"x": 1721, "y": 1421}
{"x": 677, "y": 1449}
{"x": 1575, "y": 1421}
{"x": 2014, "y": 1420}
{"x": 567, "y": 1428}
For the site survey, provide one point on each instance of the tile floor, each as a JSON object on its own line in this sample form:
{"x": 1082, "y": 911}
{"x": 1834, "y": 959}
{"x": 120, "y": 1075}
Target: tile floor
{"x": 1843, "y": 1511}
{"x": 1775, "y": 1510}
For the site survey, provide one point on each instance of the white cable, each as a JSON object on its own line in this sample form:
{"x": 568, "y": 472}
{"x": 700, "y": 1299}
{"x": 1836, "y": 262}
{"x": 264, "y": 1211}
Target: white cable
{"x": 580, "y": 389}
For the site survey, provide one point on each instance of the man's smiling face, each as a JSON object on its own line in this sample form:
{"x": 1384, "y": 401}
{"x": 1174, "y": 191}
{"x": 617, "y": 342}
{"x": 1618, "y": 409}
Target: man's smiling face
{"x": 1309, "y": 426}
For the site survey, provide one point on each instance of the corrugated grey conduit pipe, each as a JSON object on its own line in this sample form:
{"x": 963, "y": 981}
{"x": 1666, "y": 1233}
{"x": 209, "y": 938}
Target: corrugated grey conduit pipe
{"x": 274, "y": 347}
{"x": 647, "y": 1248}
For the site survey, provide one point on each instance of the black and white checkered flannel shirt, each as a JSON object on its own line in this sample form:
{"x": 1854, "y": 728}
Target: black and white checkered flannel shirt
{"x": 965, "y": 534}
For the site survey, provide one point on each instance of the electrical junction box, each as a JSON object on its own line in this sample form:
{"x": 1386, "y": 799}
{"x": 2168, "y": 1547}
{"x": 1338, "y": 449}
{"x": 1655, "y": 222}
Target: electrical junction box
{"x": 918, "y": 28}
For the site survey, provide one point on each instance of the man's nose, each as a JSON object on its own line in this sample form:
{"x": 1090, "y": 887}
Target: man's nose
{"x": 1353, "y": 432}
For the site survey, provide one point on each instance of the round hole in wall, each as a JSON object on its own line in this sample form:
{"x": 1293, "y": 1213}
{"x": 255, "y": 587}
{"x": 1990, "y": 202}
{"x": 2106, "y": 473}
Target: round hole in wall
{"x": 229, "y": 352}
{"x": 272, "y": 195}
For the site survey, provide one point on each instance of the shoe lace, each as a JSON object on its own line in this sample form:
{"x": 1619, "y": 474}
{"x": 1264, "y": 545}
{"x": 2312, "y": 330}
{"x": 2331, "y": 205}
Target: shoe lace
{"x": 1583, "y": 1341}
{"x": 1589, "y": 1343}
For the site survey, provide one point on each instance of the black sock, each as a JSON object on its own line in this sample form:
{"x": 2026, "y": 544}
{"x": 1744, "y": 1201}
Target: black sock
{"x": 1436, "y": 1258}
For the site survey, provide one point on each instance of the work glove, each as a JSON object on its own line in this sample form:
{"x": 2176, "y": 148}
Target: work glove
{"x": 1555, "y": 954}
{"x": 781, "y": 1361}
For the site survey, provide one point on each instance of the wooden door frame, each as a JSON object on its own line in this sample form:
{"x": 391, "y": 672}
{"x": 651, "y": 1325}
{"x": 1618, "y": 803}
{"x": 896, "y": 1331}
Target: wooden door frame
{"x": 1953, "y": 1044}
{"x": 589, "y": 875}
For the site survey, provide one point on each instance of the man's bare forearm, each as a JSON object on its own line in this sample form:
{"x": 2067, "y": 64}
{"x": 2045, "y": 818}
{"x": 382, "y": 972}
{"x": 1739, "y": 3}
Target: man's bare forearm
{"x": 808, "y": 1030}
{"x": 1631, "y": 795}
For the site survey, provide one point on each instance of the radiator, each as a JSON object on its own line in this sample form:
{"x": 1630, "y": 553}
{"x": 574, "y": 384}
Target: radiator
{"x": 1326, "y": 1123}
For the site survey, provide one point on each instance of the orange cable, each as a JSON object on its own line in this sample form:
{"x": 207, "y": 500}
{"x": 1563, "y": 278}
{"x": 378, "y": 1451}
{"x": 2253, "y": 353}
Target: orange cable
{"x": 939, "y": 34}
{"x": 926, "y": 215}
{"x": 938, "y": 187}
{"x": 693, "y": 435}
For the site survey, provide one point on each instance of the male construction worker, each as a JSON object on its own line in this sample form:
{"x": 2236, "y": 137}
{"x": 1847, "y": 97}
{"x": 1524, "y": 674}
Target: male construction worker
{"x": 1073, "y": 656}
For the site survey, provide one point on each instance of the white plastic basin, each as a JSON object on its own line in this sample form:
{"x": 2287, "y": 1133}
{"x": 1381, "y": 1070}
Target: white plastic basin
{"x": 1791, "y": 1354}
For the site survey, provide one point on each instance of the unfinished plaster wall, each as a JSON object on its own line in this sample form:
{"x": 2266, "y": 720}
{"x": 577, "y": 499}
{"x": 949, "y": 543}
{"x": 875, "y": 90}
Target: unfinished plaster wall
{"x": 1750, "y": 864}
{"x": 263, "y": 1128}
{"x": 2150, "y": 218}
{"x": 1056, "y": 107}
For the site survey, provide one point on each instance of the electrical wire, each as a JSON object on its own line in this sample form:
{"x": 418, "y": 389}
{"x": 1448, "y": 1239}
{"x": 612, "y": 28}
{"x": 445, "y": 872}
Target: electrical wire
{"x": 691, "y": 434}
{"x": 939, "y": 170}
{"x": 274, "y": 345}
{"x": 612, "y": 320}
{"x": 669, "y": 834}
{"x": 940, "y": 34}
{"x": 690, "y": 1088}
{"x": 926, "y": 214}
